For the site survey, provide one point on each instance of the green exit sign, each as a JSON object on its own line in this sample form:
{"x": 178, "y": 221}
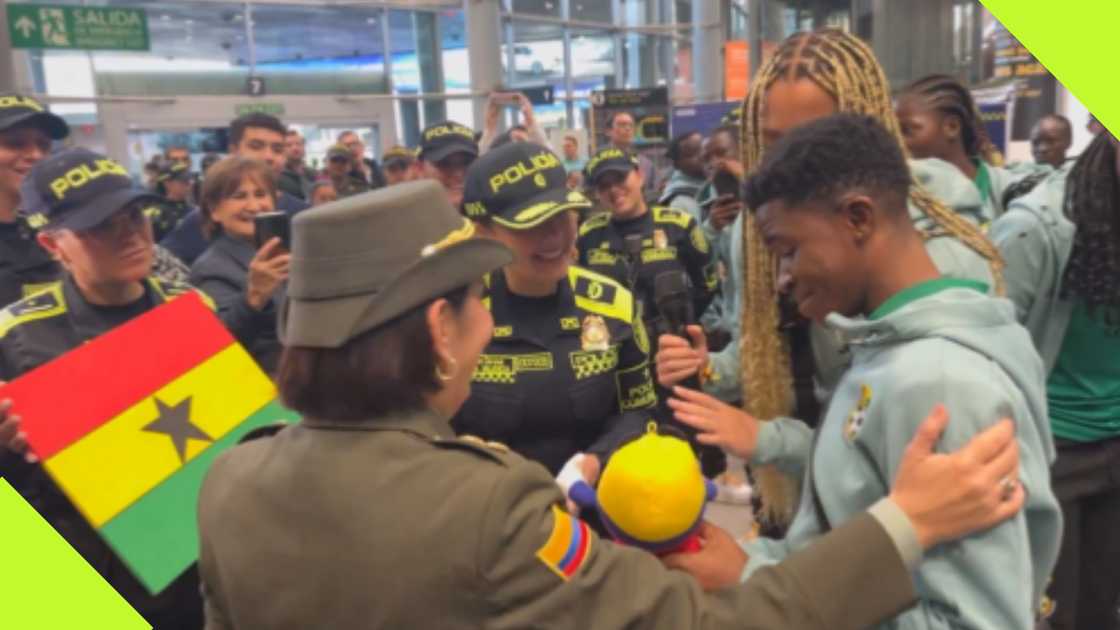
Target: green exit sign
{"x": 273, "y": 109}
{"x": 77, "y": 27}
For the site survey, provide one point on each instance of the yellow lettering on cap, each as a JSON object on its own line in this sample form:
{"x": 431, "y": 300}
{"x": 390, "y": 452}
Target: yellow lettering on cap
{"x": 537, "y": 164}
{"x": 20, "y": 101}
{"x": 82, "y": 174}
{"x": 443, "y": 130}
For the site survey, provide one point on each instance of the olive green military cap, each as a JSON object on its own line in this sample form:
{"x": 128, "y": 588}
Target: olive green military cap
{"x": 362, "y": 261}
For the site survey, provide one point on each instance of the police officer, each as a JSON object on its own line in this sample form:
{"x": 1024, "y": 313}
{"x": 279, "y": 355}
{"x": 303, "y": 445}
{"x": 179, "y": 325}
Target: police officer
{"x": 26, "y": 132}
{"x": 174, "y": 184}
{"x": 340, "y": 171}
{"x": 398, "y": 165}
{"x": 671, "y": 240}
{"x": 446, "y": 150}
{"x": 94, "y": 224}
{"x": 567, "y": 370}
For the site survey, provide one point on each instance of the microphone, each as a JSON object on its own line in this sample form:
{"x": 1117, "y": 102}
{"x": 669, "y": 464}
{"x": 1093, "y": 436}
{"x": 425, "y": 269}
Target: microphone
{"x": 672, "y": 292}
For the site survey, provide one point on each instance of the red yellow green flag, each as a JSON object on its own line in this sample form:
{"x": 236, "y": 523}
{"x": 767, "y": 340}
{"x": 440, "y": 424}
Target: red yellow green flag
{"x": 128, "y": 424}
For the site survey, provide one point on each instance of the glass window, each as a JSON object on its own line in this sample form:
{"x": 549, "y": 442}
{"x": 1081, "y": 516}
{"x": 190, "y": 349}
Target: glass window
{"x": 456, "y": 66}
{"x": 319, "y": 49}
{"x": 538, "y": 60}
{"x": 592, "y": 11}
{"x": 541, "y": 7}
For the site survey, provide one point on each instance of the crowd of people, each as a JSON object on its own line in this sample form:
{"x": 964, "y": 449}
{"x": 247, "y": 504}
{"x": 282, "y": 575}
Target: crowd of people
{"x": 901, "y": 342}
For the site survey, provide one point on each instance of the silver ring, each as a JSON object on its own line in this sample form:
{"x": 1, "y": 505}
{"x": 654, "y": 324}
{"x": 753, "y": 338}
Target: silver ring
{"x": 1007, "y": 487}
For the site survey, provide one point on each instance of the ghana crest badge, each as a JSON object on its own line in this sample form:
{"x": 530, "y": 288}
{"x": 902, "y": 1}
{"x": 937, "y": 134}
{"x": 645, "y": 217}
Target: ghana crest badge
{"x": 594, "y": 337}
{"x": 856, "y": 418}
{"x": 660, "y": 240}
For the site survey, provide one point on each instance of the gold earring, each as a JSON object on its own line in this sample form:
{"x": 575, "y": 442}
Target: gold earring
{"x": 447, "y": 377}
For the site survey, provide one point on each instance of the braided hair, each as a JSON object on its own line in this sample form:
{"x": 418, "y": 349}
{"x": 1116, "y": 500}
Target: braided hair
{"x": 845, "y": 68}
{"x": 946, "y": 95}
{"x": 1092, "y": 203}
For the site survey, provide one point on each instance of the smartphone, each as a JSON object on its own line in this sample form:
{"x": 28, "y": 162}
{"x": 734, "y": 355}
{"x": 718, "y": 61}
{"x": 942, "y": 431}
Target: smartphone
{"x": 726, "y": 184}
{"x": 507, "y": 99}
{"x": 270, "y": 225}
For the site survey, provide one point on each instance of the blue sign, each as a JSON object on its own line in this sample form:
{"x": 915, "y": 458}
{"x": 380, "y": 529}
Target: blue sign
{"x": 702, "y": 117}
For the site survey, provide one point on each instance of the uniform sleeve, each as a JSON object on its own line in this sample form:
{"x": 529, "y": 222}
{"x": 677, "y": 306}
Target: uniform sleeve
{"x": 1022, "y": 243}
{"x": 635, "y": 385}
{"x": 700, "y": 262}
{"x": 529, "y": 580}
{"x": 784, "y": 443}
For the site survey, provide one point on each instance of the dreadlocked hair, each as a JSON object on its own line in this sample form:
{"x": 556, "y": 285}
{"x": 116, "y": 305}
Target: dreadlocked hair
{"x": 846, "y": 68}
{"x": 1092, "y": 203}
{"x": 946, "y": 95}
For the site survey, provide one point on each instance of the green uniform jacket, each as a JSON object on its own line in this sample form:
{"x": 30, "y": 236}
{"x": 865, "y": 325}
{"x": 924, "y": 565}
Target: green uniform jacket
{"x": 394, "y": 523}
{"x": 1036, "y": 239}
{"x": 964, "y": 349}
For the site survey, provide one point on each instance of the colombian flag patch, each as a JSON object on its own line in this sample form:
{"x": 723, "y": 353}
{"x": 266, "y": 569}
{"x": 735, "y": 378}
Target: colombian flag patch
{"x": 568, "y": 545}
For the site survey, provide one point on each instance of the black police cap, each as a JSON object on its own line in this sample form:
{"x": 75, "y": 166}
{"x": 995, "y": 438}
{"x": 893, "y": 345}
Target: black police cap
{"x": 519, "y": 186}
{"x": 17, "y": 110}
{"x": 610, "y": 160}
{"x": 77, "y": 189}
{"x": 442, "y": 140}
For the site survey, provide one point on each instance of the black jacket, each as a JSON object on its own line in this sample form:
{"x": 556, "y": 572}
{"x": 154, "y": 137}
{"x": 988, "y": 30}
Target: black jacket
{"x": 222, "y": 272}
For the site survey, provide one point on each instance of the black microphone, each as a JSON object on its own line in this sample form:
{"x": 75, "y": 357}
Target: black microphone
{"x": 672, "y": 293}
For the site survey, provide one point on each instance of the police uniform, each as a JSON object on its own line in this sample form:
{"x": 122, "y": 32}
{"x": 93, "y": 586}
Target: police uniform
{"x": 57, "y": 319}
{"x": 347, "y": 185}
{"x": 25, "y": 267}
{"x": 405, "y": 526}
{"x": 672, "y": 240}
{"x": 565, "y": 373}
{"x": 167, "y": 214}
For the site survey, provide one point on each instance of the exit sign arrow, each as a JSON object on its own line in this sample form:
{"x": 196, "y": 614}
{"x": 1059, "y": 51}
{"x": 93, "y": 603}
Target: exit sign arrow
{"x": 26, "y": 26}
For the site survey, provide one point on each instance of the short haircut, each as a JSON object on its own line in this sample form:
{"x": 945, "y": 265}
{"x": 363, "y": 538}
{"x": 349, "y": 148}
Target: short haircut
{"x": 348, "y": 132}
{"x": 257, "y": 120}
{"x": 388, "y": 370}
{"x": 293, "y": 132}
{"x": 612, "y": 117}
{"x": 830, "y": 156}
{"x": 179, "y": 147}
{"x": 223, "y": 179}
{"x": 731, "y": 130}
{"x": 1061, "y": 120}
{"x": 506, "y": 136}
{"x": 677, "y": 143}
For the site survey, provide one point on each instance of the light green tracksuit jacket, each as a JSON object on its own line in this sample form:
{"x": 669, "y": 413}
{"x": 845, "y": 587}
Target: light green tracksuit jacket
{"x": 966, "y": 350}
{"x": 1036, "y": 239}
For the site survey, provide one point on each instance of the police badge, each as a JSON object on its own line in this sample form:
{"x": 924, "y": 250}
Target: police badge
{"x": 595, "y": 337}
{"x": 856, "y": 418}
{"x": 660, "y": 240}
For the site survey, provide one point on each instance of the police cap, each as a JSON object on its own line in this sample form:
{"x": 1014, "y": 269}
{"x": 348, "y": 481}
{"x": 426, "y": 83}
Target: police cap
{"x": 398, "y": 156}
{"x": 174, "y": 170}
{"x": 19, "y": 110}
{"x": 519, "y": 186}
{"x": 338, "y": 151}
{"x": 77, "y": 189}
{"x": 442, "y": 140}
{"x": 610, "y": 160}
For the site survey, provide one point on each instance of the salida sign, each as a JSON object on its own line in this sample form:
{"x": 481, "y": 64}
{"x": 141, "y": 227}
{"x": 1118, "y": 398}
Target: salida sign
{"x": 77, "y": 27}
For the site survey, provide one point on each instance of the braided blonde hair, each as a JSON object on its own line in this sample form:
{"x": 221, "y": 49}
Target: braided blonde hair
{"x": 846, "y": 68}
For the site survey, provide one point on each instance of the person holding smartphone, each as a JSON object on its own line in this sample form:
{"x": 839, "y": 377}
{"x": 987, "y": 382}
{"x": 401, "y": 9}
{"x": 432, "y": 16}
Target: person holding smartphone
{"x": 527, "y": 131}
{"x": 245, "y": 277}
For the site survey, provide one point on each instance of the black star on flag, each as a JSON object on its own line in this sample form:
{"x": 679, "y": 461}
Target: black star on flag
{"x": 175, "y": 422}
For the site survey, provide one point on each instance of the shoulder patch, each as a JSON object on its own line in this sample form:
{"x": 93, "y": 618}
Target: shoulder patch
{"x": 568, "y": 545}
{"x": 42, "y": 305}
{"x": 494, "y": 451}
{"x": 672, "y": 216}
{"x": 599, "y": 294}
{"x": 594, "y": 223}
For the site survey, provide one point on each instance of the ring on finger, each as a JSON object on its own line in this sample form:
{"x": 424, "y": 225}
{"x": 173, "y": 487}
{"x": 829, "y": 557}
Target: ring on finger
{"x": 1007, "y": 487}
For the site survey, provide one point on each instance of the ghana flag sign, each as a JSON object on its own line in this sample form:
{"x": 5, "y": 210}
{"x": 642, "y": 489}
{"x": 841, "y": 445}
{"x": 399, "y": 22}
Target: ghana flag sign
{"x": 128, "y": 424}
